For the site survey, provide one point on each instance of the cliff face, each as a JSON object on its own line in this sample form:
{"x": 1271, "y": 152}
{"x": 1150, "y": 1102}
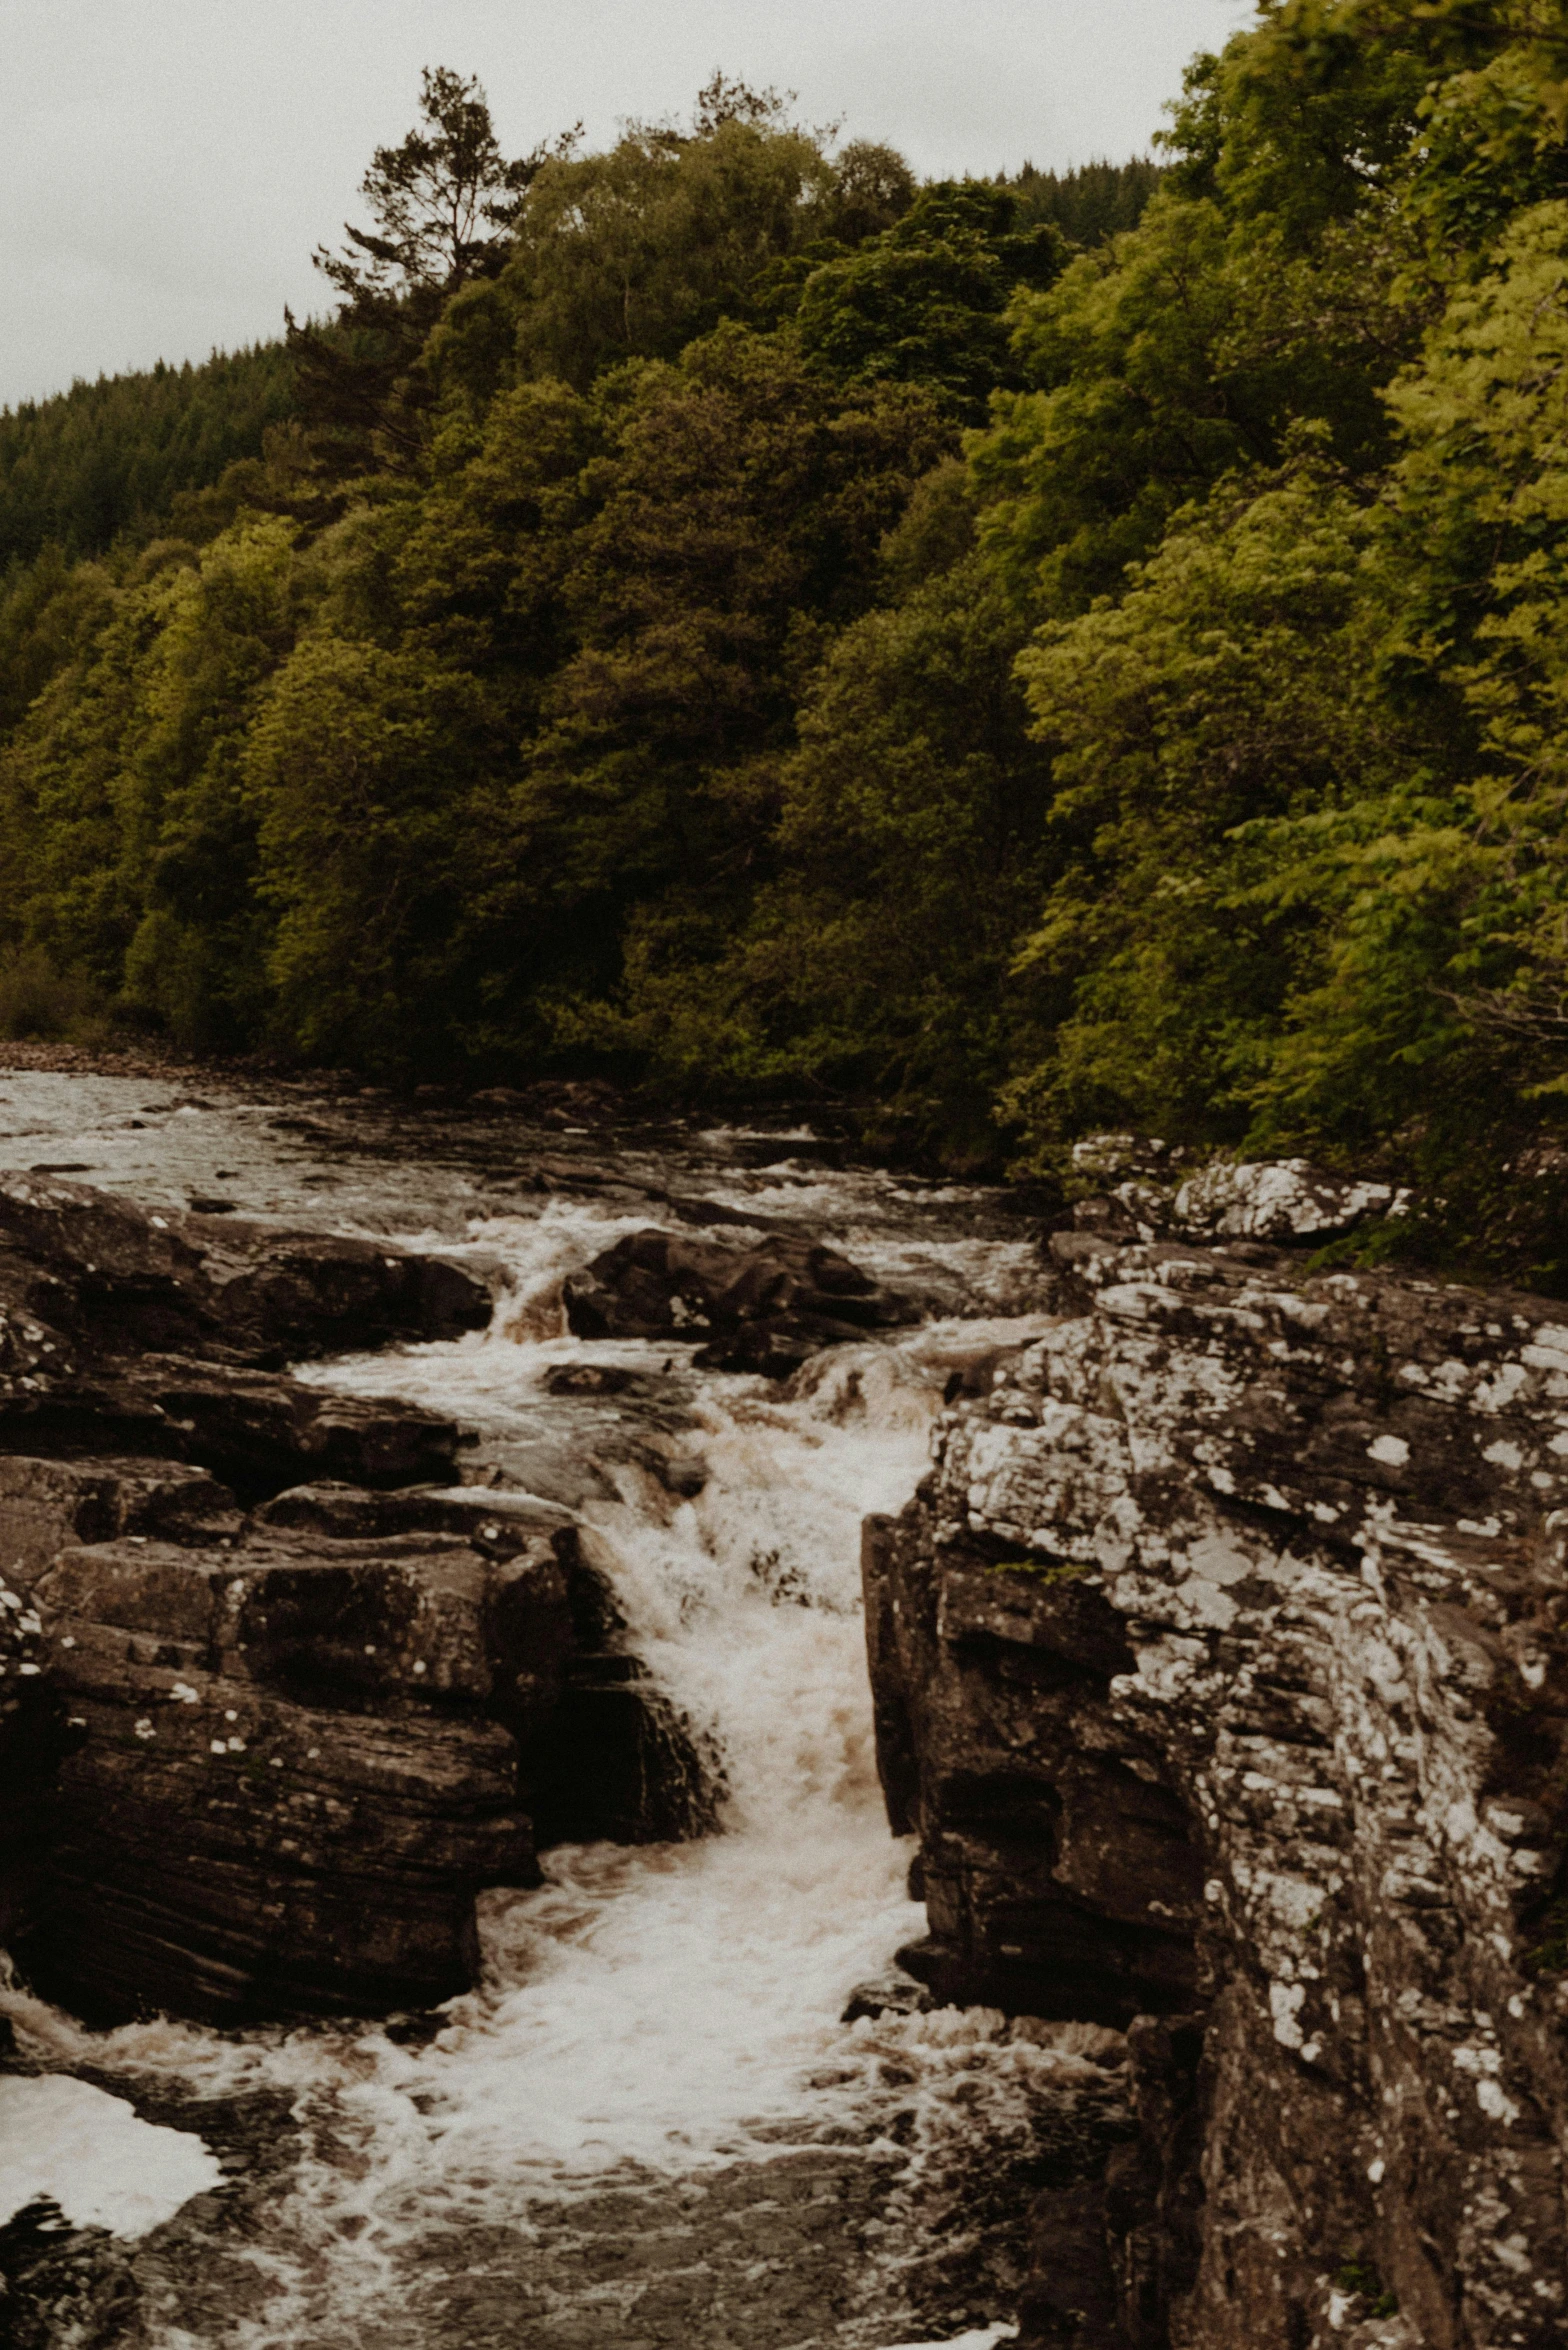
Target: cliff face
{"x": 1222, "y": 1665}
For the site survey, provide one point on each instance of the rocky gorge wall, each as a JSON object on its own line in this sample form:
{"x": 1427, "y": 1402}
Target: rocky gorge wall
{"x": 277, "y": 1697}
{"x": 1221, "y": 1664}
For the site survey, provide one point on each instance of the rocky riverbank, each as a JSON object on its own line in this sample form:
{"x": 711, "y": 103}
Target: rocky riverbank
{"x": 274, "y": 1489}
{"x": 1218, "y": 1666}
{"x": 1222, "y": 1666}
{"x": 280, "y": 1698}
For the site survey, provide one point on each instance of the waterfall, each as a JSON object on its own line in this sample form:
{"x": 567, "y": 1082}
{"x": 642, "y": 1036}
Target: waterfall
{"x": 652, "y": 2083}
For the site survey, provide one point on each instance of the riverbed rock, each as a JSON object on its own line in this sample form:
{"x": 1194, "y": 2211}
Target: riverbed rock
{"x": 1275, "y": 1200}
{"x": 766, "y": 1308}
{"x": 1222, "y": 1666}
{"x": 45, "y": 1504}
{"x": 125, "y": 1332}
{"x": 118, "y": 1279}
{"x": 290, "y": 1783}
{"x": 1154, "y": 1191}
{"x": 258, "y": 1766}
{"x": 295, "y": 1759}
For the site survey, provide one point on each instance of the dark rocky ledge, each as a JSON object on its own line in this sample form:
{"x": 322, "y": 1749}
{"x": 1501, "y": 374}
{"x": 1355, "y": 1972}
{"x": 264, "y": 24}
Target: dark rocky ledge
{"x": 764, "y": 1308}
{"x": 1222, "y": 1666}
{"x": 278, "y": 1698}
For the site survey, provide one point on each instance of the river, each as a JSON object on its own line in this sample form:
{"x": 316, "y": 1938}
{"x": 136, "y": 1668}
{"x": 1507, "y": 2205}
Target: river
{"x": 647, "y": 2125}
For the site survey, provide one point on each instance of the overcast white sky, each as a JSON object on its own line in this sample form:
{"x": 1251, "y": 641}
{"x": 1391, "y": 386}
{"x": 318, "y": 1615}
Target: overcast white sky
{"x": 169, "y": 164}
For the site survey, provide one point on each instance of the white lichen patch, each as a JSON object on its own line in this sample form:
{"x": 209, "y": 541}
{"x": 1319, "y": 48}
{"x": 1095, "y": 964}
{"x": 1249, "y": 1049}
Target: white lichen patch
{"x": 1392, "y": 1450}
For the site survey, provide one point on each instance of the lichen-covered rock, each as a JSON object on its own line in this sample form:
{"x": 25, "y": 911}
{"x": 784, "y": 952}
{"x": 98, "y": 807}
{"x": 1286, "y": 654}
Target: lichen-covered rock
{"x": 1153, "y": 1191}
{"x": 1223, "y": 1665}
{"x": 1274, "y": 1200}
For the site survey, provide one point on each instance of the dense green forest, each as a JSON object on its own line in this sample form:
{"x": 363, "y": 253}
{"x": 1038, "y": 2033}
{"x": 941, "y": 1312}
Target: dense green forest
{"x": 109, "y": 460}
{"x": 1028, "y": 654}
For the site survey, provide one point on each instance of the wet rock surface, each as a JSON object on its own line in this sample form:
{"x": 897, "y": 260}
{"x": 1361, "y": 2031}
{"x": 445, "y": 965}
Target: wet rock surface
{"x": 123, "y": 1280}
{"x": 269, "y": 1775}
{"x": 1222, "y": 1664}
{"x": 902, "y": 2227}
{"x": 260, "y": 1766}
{"x": 1218, "y": 1667}
{"x": 214, "y": 1551}
{"x": 126, "y": 1332}
{"x": 765, "y": 1308}
{"x": 265, "y": 1815}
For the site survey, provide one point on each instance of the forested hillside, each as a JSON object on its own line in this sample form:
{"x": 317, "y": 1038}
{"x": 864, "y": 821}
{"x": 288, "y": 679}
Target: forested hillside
{"x": 108, "y": 460}
{"x": 1030, "y": 654}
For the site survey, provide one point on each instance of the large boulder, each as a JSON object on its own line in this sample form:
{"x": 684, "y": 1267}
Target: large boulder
{"x": 258, "y": 1766}
{"x": 1222, "y": 1669}
{"x": 1153, "y": 1190}
{"x": 290, "y": 1762}
{"x": 1279, "y": 1200}
{"x": 765, "y": 1308}
{"x": 290, "y": 1783}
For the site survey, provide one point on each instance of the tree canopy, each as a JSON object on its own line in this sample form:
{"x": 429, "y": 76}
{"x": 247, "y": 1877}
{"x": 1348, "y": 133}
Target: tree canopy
{"x": 1016, "y": 653}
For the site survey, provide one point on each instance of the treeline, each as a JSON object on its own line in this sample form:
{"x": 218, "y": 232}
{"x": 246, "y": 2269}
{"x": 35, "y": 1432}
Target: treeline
{"x": 1035, "y": 655}
{"x": 108, "y": 460}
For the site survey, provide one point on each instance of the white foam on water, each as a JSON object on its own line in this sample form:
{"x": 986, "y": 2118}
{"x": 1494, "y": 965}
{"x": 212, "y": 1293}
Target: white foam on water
{"x": 92, "y": 2154}
{"x": 649, "y": 2006}
{"x": 986, "y": 2339}
{"x": 649, "y": 2001}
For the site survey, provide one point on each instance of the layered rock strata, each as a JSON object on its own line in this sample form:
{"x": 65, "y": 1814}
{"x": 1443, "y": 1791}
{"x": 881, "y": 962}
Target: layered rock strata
{"x": 277, "y": 1697}
{"x": 1222, "y": 1666}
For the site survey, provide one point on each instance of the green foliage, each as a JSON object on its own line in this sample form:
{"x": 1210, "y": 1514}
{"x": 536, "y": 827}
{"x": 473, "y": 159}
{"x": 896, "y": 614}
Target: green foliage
{"x": 127, "y": 853}
{"x": 363, "y": 776}
{"x": 924, "y": 302}
{"x": 909, "y": 853}
{"x": 441, "y": 198}
{"x": 1360, "y": 2277}
{"x": 444, "y": 201}
{"x": 1091, "y": 204}
{"x": 106, "y": 460}
{"x": 41, "y": 1004}
{"x": 1548, "y": 1953}
{"x": 637, "y": 252}
{"x": 1048, "y": 1573}
{"x": 1208, "y": 706}
{"x": 613, "y": 649}
{"x": 737, "y": 520}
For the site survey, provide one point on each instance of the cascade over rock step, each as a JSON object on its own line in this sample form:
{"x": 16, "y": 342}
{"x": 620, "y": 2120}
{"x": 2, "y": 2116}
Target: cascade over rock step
{"x": 257, "y": 1766}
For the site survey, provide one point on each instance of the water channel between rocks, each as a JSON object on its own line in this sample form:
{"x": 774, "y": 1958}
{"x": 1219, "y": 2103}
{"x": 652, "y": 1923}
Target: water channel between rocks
{"x": 648, "y": 2124}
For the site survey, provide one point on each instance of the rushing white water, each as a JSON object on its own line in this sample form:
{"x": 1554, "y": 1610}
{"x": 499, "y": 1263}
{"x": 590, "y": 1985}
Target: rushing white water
{"x": 648, "y": 2002}
{"x": 658, "y": 2012}
{"x": 985, "y": 2338}
{"x": 67, "y": 2143}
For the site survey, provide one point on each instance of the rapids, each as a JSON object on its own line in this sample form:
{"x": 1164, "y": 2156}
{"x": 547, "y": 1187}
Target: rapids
{"x": 647, "y": 2124}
